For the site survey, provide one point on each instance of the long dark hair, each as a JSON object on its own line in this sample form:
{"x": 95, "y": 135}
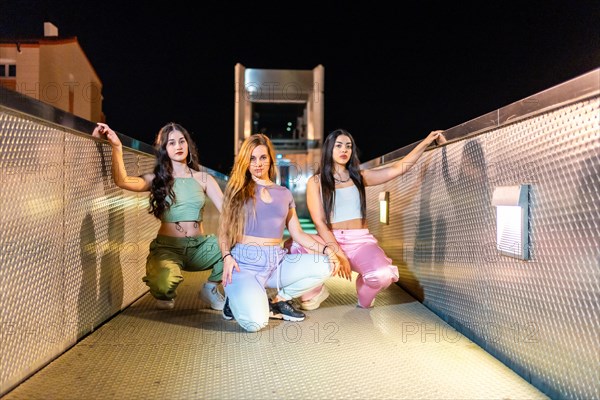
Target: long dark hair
{"x": 326, "y": 174}
{"x": 162, "y": 184}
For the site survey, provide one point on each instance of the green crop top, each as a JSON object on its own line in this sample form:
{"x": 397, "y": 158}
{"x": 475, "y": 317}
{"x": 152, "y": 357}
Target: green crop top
{"x": 190, "y": 200}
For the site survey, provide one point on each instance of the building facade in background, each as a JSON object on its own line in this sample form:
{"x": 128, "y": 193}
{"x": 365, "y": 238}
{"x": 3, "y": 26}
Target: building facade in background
{"x": 288, "y": 106}
{"x": 54, "y": 70}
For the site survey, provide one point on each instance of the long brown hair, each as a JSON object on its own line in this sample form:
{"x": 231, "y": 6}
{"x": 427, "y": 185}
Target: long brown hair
{"x": 162, "y": 184}
{"x": 240, "y": 187}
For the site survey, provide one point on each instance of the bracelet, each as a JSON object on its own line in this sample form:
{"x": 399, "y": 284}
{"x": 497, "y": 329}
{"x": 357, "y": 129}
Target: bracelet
{"x": 324, "y": 248}
{"x": 228, "y": 254}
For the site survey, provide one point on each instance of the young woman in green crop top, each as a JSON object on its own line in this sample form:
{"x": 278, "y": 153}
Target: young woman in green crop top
{"x": 178, "y": 192}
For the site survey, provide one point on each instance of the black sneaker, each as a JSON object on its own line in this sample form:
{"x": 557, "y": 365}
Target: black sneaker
{"x": 227, "y": 314}
{"x": 285, "y": 310}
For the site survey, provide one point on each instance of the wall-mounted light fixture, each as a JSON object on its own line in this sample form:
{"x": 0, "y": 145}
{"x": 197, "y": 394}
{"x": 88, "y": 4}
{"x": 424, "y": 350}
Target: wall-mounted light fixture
{"x": 384, "y": 207}
{"x": 512, "y": 220}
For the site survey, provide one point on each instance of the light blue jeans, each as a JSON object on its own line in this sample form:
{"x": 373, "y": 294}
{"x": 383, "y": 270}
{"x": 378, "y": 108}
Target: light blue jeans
{"x": 264, "y": 267}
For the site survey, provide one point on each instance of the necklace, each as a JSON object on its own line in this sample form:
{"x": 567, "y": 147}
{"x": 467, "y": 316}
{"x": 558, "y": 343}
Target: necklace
{"x": 340, "y": 180}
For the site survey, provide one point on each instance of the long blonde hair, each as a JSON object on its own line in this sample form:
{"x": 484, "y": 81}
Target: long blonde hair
{"x": 240, "y": 188}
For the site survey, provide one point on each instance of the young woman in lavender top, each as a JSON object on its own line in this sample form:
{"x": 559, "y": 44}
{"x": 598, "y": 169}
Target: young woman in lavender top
{"x": 255, "y": 213}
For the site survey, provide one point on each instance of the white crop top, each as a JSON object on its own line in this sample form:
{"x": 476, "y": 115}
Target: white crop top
{"x": 346, "y": 205}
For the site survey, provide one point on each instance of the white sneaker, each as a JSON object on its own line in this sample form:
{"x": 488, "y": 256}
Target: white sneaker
{"x": 165, "y": 304}
{"x": 316, "y": 301}
{"x": 211, "y": 295}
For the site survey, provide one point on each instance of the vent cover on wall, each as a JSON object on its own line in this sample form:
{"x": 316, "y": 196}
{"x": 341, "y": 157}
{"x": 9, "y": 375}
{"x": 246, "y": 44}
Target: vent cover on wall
{"x": 512, "y": 220}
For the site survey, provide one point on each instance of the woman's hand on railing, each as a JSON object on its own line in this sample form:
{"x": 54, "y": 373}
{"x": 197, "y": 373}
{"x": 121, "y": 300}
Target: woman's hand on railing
{"x": 103, "y": 131}
{"x": 441, "y": 139}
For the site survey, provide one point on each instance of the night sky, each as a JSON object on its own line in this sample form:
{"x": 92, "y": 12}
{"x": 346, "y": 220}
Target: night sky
{"x": 392, "y": 74}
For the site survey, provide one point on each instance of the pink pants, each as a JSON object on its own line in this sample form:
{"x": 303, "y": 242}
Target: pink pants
{"x": 374, "y": 268}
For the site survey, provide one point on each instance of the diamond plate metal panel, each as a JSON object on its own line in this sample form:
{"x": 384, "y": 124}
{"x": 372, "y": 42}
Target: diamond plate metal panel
{"x": 102, "y": 225}
{"x": 557, "y": 293}
{"x": 541, "y": 316}
{"x": 403, "y": 350}
{"x": 73, "y": 245}
{"x": 31, "y": 245}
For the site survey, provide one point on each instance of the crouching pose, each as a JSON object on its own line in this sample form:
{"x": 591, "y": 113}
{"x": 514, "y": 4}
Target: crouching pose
{"x": 178, "y": 193}
{"x": 255, "y": 213}
{"x": 336, "y": 200}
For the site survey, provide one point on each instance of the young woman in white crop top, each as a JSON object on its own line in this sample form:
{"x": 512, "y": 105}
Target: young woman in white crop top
{"x": 335, "y": 197}
{"x": 178, "y": 190}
